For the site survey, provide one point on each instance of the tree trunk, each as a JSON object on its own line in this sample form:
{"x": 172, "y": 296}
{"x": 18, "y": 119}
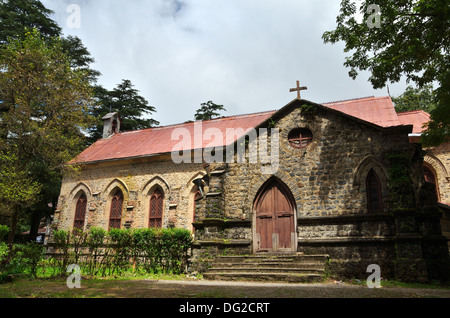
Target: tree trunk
{"x": 35, "y": 222}
{"x": 12, "y": 230}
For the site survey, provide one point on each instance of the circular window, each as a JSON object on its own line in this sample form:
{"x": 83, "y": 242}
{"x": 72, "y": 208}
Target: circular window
{"x": 300, "y": 138}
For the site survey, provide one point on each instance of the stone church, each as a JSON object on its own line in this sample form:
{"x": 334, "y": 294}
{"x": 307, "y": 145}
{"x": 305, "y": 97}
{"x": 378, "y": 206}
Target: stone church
{"x": 344, "y": 179}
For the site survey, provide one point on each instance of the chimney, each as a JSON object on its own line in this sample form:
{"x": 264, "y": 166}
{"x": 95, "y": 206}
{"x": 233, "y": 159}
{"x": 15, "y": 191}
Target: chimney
{"x": 111, "y": 125}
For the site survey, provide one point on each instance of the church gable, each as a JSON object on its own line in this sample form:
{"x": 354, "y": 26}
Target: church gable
{"x": 326, "y": 166}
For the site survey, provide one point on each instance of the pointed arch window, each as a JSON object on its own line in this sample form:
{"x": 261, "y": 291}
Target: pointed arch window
{"x": 373, "y": 189}
{"x": 80, "y": 212}
{"x": 156, "y": 209}
{"x": 115, "y": 217}
{"x": 430, "y": 177}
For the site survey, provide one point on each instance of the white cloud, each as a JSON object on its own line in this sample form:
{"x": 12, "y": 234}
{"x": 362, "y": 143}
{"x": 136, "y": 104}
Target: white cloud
{"x": 244, "y": 54}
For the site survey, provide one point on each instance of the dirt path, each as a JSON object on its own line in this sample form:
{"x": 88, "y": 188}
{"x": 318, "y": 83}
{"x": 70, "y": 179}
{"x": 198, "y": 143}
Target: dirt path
{"x": 211, "y": 289}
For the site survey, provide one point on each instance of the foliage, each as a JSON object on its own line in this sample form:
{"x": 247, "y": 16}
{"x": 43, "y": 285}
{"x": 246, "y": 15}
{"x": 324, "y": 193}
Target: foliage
{"x": 95, "y": 241}
{"x": 45, "y": 106}
{"x": 123, "y": 99}
{"x": 4, "y": 250}
{"x": 62, "y": 244}
{"x": 415, "y": 99}
{"x": 401, "y": 191}
{"x": 79, "y": 56}
{"x": 117, "y": 251}
{"x": 3, "y": 253}
{"x": 4, "y": 229}
{"x": 32, "y": 254}
{"x": 16, "y": 185}
{"x": 122, "y": 242}
{"x": 308, "y": 109}
{"x": 412, "y": 40}
{"x": 208, "y": 110}
{"x": 17, "y": 18}
{"x": 16, "y": 15}
{"x": 25, "y": 258}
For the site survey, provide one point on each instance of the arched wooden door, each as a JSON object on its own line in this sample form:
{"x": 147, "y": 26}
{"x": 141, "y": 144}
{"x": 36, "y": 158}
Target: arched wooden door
{"x": 275, "y": 219}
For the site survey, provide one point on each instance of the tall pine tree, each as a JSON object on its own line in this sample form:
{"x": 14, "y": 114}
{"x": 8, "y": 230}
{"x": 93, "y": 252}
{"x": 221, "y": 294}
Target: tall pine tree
{"x": 126, "y": 100}
{"x": 18, "y": 15}
{"x": 208, "y": 110}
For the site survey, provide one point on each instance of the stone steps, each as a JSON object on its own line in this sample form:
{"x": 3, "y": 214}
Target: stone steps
{"x": 286, "y": 268}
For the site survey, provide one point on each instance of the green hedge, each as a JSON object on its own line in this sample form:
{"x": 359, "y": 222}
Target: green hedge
{"x": 104, "y": 253}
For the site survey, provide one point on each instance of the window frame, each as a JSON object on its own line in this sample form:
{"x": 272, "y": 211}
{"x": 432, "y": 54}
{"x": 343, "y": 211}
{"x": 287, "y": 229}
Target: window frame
{"x": 80, "y": 210}
{"x": 155, "y": 220}
{"x": 304, "y": 135}
{"x": 115, "y": 220}
{"x": 372, "y": 179}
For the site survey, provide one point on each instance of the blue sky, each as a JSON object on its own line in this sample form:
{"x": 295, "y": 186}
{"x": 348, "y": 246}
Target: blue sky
{"x": 244, "y": 54}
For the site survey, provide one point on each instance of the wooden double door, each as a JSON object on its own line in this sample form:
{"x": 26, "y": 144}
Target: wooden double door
{"x": 275, "y": 219}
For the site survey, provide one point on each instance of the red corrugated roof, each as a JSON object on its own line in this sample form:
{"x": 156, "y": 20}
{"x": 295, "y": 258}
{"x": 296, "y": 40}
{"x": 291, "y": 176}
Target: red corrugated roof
{"x": 377, "y": 110}
{"x": 153, "y": 141}
{"x": 159, "y": 140}
{"x": 417, "y": 118}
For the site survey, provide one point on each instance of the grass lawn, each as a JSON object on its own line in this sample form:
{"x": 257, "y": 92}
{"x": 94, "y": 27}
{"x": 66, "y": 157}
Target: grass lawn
{"x": 172, "y": 286}
{"x": 136, "y": 287}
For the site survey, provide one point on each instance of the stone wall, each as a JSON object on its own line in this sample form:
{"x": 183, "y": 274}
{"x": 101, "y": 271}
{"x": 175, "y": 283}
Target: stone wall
{"x": 137, "y": 179}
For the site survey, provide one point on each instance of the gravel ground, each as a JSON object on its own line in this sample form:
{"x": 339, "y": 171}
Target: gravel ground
{"x": 208, "y": 289}
{"x": 217, "y": 298}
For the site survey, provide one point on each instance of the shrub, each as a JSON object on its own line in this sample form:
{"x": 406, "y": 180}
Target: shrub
{"x": 32, "y": 254}
{"x": 62, "y": 244}
{"x": 95, "y": 241}
{"x": 4, "y": 230}
{"x": 146, "y": 248}
{"x": 3, "y": 253}
{"x": 122, "y": 243}
{"x": 99, "y": 252}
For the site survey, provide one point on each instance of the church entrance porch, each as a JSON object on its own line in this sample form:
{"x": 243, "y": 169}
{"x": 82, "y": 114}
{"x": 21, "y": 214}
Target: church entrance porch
{"x": 274, "y": 219}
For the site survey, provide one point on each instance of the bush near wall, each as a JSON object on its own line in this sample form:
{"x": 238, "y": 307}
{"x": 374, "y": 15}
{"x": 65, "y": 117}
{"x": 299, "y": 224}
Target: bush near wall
{"x": 22, "y": 259}
{"x": 99, "y": 252}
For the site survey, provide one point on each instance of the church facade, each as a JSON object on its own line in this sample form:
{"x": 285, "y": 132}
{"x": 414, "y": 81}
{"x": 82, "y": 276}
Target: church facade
{"x": 342, "y": 179}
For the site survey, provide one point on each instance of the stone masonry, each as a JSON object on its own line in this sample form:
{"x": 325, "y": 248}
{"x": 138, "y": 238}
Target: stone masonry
{"x": 136, "y": 179}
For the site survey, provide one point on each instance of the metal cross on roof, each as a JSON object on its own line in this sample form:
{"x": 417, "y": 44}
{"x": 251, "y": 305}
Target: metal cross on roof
{"x": 298, "y": 89}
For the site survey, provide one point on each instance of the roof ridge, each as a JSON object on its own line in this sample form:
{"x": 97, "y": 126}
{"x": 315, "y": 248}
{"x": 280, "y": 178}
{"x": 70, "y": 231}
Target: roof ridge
{"x": 353, "y": 99}
{"x": 193, "y": 121}
{"x": 412, "y": 111}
